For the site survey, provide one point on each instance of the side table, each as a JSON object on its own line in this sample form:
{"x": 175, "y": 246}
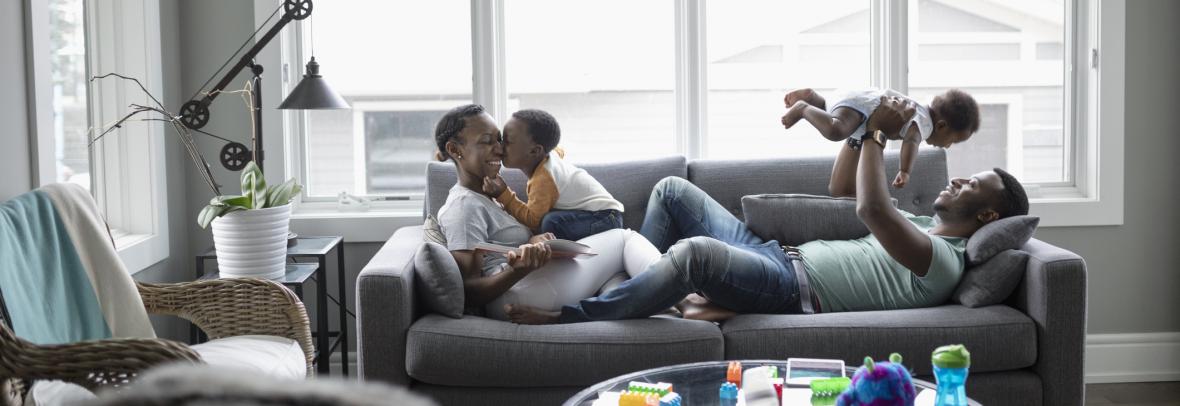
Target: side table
{"x": 298, "y": 273}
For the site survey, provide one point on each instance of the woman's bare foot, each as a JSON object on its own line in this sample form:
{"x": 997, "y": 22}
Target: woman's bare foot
{"x": 521, "y": 314}
{"x": 697, "y": 307}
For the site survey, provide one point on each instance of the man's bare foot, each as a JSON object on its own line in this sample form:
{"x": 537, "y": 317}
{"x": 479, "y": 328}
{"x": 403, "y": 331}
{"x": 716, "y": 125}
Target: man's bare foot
{"x": 697, "y": 307}
{"x": 521, "y": 314}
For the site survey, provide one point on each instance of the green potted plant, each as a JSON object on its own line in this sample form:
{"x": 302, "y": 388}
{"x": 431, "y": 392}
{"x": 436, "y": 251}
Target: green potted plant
{"x": 250, "y": 230}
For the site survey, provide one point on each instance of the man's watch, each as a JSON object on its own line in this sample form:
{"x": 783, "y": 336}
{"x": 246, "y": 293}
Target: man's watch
{"x": 879, "y": 137}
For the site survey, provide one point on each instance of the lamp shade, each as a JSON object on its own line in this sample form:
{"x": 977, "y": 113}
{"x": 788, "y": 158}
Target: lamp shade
{"x": 313, "y": 93}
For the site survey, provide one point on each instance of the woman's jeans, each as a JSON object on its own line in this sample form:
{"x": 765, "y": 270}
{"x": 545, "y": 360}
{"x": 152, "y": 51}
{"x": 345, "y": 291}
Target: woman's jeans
{"x": 709, "y": 251}
{"x": 574, "y": 225}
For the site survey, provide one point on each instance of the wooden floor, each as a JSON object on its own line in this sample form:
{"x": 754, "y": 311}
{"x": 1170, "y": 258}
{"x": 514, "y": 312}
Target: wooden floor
{"x": 1137, "y": 394}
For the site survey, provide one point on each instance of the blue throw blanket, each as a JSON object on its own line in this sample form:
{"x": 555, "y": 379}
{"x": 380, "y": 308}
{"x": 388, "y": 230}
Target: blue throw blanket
{"x": 45, "y": 287}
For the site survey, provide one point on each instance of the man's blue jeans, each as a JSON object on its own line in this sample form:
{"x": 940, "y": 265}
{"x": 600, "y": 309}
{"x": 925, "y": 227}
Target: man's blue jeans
{"x": 574, "y": 225}
{"x": 709, "y": 251}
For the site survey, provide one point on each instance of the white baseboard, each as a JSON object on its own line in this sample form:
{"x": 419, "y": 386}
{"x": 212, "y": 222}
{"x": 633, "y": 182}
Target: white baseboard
{"x": 1137, "y": 357}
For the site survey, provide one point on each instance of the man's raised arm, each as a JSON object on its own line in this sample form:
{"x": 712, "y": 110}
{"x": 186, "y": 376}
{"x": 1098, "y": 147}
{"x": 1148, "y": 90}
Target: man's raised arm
{"x": 903, "y": 241}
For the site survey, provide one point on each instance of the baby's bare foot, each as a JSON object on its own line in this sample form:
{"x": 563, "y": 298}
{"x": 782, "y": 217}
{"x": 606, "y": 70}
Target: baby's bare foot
{"x": 521, "y": 314}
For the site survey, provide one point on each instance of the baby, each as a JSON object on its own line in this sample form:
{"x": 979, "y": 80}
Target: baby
{"x": 951, "y": 118}
{"x": 563, "y": 199}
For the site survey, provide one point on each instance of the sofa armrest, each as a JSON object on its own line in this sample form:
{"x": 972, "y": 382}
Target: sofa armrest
{"x": 386, "y": 307}
{"x": 1053, "y": 294}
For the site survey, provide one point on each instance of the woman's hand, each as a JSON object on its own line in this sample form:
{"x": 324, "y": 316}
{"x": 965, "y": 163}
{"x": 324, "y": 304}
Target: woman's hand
{"x": 531, "y": 257}
{"x": 541, "y": 238}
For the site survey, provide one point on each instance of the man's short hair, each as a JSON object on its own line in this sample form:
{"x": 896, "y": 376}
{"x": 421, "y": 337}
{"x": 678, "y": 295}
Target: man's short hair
{"x": 1013, "y": 200}
{"x": 542, "y": 127}
{"x": 959, "y": 110}
{"x": 452, "y": 123}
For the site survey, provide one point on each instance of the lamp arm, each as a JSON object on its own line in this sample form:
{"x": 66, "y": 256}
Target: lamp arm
{"x": 195, "y": 113}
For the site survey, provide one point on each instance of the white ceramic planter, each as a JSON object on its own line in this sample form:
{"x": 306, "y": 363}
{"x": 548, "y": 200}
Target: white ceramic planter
{"x": 252, "y": 243}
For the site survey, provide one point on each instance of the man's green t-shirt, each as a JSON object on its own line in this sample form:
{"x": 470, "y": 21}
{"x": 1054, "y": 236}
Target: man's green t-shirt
{"x": 853, "y": 275}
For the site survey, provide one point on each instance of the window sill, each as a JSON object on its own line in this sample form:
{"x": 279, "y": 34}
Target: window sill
{"x": 1077, "y": 212}
{"x": 139, "y": 251}
{"x": 374, "y": 225}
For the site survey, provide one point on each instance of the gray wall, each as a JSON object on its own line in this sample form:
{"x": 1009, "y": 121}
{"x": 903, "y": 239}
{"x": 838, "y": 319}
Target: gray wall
{"x": 15, "y": 162}
{"x": 1134, "y": 287}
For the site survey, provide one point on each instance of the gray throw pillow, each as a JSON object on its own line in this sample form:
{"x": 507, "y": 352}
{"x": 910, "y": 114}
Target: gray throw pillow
{"x": 793, "y": 219}
{"x": 993, "y": 281}
{"x": 432, "y": 232}
{"x": 1004, "y": 234}
{"x": 439, "y": 280}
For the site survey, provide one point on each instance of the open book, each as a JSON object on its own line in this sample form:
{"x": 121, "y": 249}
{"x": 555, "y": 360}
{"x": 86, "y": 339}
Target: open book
{"x": 561, "y": 248}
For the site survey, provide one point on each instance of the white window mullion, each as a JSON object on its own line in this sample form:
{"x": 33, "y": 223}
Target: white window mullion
{"x": 487, "y": 57}
{"x": 889, "y": 44}
{"x": 691, "y": 84}
{"x": 128, "y": 163}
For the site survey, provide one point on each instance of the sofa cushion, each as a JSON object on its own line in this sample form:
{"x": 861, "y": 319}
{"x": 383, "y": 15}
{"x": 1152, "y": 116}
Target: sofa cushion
{"x": 438, "y": 277}
{"x": 794, "y": 219}
{"x": 993, "y": 281}
{"x": 476, "y": 351}
{"x": 1003, "y": 234}
{"x": 726, "y": 181}
{"x": 999, "y": 337}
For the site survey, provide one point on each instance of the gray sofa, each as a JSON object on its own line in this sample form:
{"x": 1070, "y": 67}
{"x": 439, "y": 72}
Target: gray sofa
{"x": 1027, "y": 351}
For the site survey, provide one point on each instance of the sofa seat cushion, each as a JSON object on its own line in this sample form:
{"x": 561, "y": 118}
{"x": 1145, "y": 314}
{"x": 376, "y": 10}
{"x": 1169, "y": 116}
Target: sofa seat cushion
{"x": 999, "y": 337}
{"x": 476, "y": 351}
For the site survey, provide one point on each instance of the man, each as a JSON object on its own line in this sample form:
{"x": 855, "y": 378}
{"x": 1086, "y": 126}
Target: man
{"x": 906, "y": 262}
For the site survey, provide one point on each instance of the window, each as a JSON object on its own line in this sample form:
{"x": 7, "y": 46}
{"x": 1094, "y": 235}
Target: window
{"x": 996, "y": 53}
{"x": 72, "y": 40}
{"x": 758, "y": 50}
{"x": 67, "y": 43}
{"x": 628, "y": 80}
{"x": 419, "y": 67}
{"x": 602, "y": 73}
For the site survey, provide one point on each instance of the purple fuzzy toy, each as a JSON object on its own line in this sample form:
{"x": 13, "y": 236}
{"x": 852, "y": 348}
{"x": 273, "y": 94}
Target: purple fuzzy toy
{"x": 883, "y": 384}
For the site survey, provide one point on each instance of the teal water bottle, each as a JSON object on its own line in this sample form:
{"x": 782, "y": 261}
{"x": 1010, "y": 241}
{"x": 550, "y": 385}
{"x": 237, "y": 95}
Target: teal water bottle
{"x": 950, "y": 370}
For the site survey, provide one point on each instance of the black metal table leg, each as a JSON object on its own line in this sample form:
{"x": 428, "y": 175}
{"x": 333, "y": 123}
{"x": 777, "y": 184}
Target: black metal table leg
{"x": 342, "y": 306}
{"x": 321, "y": 296}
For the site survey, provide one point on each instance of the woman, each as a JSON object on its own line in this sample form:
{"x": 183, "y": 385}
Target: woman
{"x": 469, "y": 137}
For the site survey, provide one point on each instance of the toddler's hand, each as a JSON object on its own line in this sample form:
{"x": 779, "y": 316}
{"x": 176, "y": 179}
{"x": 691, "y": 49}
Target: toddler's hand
{"x": 901, "y": 179}
{"x": 494, "y": 186}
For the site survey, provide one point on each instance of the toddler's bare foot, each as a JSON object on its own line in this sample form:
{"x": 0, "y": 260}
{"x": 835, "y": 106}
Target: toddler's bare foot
{"x": 697, "y": 307}
{"x": 521, "y": 314}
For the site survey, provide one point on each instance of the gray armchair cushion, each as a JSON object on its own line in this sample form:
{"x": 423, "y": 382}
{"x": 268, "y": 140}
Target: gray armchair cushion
{"x": 439, "y": 279}
{"x": 993, "y": 281}
{"x": 1003, "y": 234}
{"x": 794, "y": 219}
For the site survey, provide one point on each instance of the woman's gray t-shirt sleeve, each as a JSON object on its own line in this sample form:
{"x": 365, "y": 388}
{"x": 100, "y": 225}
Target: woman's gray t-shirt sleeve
{"x": 464, "y": 224}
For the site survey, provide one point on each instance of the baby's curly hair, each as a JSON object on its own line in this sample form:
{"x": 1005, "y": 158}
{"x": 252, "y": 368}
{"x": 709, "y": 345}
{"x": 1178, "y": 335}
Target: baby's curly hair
{"x": 959, "y": 110}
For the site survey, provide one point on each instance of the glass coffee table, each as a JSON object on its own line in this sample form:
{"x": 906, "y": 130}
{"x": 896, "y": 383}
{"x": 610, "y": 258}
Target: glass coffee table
{"x": 698, "y": 384}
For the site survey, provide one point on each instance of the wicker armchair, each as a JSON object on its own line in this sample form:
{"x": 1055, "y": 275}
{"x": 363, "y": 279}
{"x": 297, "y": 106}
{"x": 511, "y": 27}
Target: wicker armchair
{"x": 221, "y": 308}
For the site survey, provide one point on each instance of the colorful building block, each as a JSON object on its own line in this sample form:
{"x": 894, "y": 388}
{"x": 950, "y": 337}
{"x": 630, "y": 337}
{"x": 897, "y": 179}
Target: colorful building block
{"x": 630, "y": 398}
{"x": 661, "y": 388}
{"x": 670, "y": 399}
{"x": 734, "y": 373}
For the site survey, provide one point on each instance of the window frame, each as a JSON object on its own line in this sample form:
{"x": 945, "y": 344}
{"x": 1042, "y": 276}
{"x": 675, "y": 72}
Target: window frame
{"x": 126, "y": 166}
{"x": 1093, "y": 197}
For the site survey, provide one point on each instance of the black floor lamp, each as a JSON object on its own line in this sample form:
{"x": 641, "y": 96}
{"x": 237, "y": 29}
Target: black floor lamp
{"x": 312, "y": 92}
